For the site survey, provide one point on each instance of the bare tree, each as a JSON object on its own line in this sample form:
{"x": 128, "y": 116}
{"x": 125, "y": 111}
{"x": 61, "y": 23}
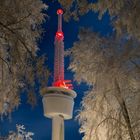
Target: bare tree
{"x": 111, "y": 108}
{"x": 20, "y": 68}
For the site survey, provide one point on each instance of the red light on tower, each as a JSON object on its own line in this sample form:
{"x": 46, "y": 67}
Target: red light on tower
{"x": 59, "y": 35}
{"x": 59, "y": 12}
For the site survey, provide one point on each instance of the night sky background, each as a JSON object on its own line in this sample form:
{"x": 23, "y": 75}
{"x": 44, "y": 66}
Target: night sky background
{"x": 32, "y": 118}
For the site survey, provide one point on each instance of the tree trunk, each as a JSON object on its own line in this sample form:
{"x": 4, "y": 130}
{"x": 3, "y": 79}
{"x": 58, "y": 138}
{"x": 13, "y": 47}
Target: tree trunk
{"x": 124, "y": 111}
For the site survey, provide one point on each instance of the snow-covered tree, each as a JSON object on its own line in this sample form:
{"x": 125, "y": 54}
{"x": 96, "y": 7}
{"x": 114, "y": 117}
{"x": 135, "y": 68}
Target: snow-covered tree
{"x": 124, "y": 13}
{"x": 20, "y": 68}
{"x": 111, "y": 108}
{"x": 75, "y": 8}
{"x": 21, "y": 134}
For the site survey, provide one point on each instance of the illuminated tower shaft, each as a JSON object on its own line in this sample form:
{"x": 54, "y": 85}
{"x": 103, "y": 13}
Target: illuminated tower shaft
{"x": 59, "y": 51}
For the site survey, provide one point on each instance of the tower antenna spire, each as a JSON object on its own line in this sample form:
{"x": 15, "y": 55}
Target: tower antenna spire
{"x": 60, "y": 13}
{"x": 59, "y": 56}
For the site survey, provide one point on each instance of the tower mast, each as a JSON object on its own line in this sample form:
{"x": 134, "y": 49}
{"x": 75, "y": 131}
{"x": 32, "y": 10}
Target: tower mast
{"x": 59, "y": 52}
{"x": 59, "y": 56}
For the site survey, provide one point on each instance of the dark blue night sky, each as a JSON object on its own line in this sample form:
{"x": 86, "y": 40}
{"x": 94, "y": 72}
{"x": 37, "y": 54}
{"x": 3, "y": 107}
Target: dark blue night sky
{"x": 33, "y": 118}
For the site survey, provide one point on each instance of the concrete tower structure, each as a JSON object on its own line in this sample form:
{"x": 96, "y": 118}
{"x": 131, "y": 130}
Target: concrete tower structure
{"x": 58, "y": 100}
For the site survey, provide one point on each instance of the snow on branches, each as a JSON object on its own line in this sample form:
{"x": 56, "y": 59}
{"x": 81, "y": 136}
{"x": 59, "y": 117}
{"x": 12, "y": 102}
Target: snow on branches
{"x": 111, "y": 109}
{"x": 20, "y": 27}
{"x": 21, "y": 134}
{"x": 124, "y": 14}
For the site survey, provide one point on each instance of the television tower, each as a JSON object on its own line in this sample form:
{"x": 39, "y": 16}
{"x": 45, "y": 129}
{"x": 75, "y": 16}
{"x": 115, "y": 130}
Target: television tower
{"x": 58, "y": 100}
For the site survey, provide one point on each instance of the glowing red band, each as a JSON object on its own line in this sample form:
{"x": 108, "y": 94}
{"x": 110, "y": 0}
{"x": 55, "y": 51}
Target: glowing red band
{"x": 59, "y": 35}
{"x": 59, "y": 11}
